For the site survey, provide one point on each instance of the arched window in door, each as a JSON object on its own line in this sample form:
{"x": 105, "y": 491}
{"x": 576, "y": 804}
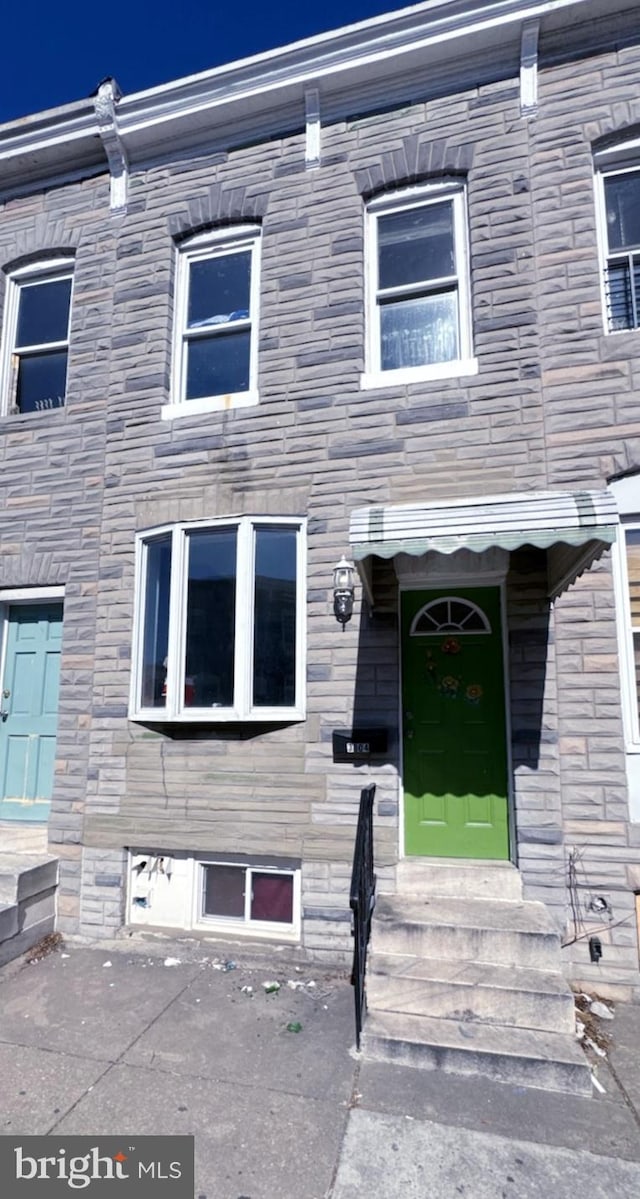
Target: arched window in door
{"x": 450, "y": 614}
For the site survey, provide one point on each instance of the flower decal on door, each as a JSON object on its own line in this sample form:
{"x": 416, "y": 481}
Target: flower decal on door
{"x": 449, "y": 686}
{"x": 451, "y": 646}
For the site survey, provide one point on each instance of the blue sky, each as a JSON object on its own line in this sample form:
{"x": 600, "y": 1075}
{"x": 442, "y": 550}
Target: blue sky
{"x": 58, "y": 52}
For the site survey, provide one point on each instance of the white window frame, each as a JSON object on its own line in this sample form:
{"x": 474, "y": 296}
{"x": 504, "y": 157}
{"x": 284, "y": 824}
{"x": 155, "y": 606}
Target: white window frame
{"x": 473, "y": 610}
{"x": 242, "y": 710}
{"x": 187, "y": 906}
{"x": 630, "y": 713}
{"x": 202, "y": 248}
{"x": 266, "y": 928}
{"x": 420, "y": 197}
{"x": 619, "y": 159}
{"x": 50, "y": 271}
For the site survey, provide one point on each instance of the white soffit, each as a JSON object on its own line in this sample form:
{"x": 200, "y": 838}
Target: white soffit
{"x": 582, "y": 521}
{"x": 439, "y": 39}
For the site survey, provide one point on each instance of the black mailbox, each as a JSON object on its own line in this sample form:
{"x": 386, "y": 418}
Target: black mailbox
{"x": 358, "y": 745}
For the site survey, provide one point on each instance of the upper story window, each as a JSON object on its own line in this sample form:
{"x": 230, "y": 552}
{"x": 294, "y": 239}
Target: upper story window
{"x": 35, "y": 343}
{"x": 619, "y": 194}
{"x": 219, "y": 623}
{"x": 418, "y": 311}
{"x": 215, "y": 349}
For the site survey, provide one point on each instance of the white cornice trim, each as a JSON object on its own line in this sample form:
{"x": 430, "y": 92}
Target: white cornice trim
{"x": 529, "y": 68}
{"x": 54, "y": 128}
{"x": 437, "y": 35}
{"x": 363, "y": 45}
{"x": 105, "y": 105}
{"x": 312, "y": 123}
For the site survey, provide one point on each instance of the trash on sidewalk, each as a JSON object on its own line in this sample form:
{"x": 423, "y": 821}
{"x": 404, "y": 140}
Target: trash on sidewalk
{"x": 105, "y": 965}
{"x": 172, "y": 961}
{"x": 43, "y": 948}
{"x": 294, "y": 1026}
{"x": 272, "y": 987}
{"x": 596, "y": 1048}
{"x": 589, "y": 1023}
{"x": 600, "y": 1009}
{"x": 247, "y": 990}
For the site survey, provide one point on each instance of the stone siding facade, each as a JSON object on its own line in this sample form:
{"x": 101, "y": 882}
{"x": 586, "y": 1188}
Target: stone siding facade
{"x": 553, "y": 405}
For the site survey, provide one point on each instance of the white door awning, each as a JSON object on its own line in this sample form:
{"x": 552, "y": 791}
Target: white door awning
{"x": 575, "y": 526}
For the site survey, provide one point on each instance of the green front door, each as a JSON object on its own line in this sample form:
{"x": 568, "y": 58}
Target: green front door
{"x": 29, "y": 710}
{"x": 455, "y": 745}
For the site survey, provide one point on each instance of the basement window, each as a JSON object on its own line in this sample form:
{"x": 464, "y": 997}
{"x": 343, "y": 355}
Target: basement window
{"x": 248, "y": 896}
{"x": 183, "y": 890}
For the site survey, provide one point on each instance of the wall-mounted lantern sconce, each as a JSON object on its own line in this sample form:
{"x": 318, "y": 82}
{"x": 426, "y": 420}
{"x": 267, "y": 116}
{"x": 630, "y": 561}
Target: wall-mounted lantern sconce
{"x": 344, "y": 574}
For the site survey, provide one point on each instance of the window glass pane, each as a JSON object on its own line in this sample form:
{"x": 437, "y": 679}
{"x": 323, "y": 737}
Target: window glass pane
{"x": 211, "y": 604}
{"x": 416, "y": 245}
{"x": 464, "y": 616}
{"x": 419, "y": 332}
{"x": 636, "y": 661}
{"x": 155, "y": 641}
{"x": 43, "y": 312}
{"x": 632, "y": 537}
{"x": 272, "y": 897}
{"x": 224, "y": 891}
{"x": 622, "y": 202}
{"x": 620, "y": 294}
{"x": 42, "y": 381}
{"x": 219, "y": 290}
{"x": 274, "y": 653}
{"x": 218, "y": 365}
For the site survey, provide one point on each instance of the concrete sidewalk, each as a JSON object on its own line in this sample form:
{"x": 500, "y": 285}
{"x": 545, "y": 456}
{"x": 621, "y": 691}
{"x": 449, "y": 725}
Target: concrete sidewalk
{"x": 139, "y": 1047}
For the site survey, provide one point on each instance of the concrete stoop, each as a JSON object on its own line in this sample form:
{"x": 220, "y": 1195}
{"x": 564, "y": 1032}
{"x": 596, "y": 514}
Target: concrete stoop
{"x": 27, "y": 901}
{"x": 471, "y": 985}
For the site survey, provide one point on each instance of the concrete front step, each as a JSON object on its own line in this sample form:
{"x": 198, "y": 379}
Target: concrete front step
{"x": 505, "y": 933}
{"x": 451, "y": 877}
{"x": 27, "y": 901}
{"x": 521, "y": 1057}
{"x": 23, "y": 874}
{"x": 29, "y": 837}
{"x": 461, "y": 991}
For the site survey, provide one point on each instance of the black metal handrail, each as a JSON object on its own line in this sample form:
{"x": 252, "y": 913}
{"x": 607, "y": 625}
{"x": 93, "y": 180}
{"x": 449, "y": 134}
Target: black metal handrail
{"x": 362, "y": 899}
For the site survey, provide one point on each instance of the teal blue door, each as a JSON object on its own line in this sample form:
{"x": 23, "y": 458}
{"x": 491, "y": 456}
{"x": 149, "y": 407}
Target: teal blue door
{"x": 29, "y": 710}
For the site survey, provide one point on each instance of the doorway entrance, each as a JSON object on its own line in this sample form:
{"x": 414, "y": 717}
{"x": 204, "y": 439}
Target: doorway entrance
{"x": 29, "y": 709}
{"x": 454, "y": 725}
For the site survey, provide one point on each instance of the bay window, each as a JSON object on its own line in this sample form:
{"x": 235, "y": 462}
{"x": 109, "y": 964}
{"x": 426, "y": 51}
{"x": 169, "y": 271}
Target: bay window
{"x": 219, "y": 630}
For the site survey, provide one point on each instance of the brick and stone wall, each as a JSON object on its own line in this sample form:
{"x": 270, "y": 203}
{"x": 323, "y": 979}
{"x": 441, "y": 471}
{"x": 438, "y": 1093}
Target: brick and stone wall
{"x": 552, "y": 405}
{"x": 51, "y": 481}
